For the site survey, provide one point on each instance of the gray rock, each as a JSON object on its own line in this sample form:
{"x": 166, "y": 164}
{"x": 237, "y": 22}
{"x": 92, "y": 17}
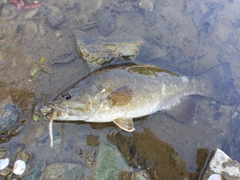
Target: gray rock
{"x": 98, "y": 52}
{"x": 62, "y": 171}
{"x": 31, "y": 14}
{"x": 56, "y": 17}
{"x": 106, "y": 23}
{"x": 9, "y": 115}
{"x": 35, "y": 172}
{"x": 220, "y": 163}
{"x": 110, "y": 162}
{"x": 8, "y": 11}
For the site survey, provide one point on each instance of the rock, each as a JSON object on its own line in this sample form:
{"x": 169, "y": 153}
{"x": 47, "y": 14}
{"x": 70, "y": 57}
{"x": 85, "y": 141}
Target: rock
{"x": 219, "y": 163}
{"x": 31, "y": 14}
{"x": 8, "y": 11}
{"x": 215, "y": 177}
{"x": 97, "y": 52}
{"x": 9, "y": 115}
{"x": 23, "y": 156}
{"x": 62, "y": 171}
{"x": 35, "y": 172}
{"x": 29, "y": 31}
{"x": 146, "y": 5}
{"x": 110, "y": 162}
{"x": 106, "y": 23}
{"x": 6, "y": 171}
{"x": 3, "y": 153}
{"x": 4, "y": 163}
{"x": 56, "y": 17}
{"x": 140, "y": 176}
{"x": 19, "y": 167}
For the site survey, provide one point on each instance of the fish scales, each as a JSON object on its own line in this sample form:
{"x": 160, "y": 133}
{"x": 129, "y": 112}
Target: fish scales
{"x": 146, "y": 88}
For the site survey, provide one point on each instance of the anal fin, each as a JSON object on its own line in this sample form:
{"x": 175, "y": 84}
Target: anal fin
{"x": 184, "y": 110}
{"x": 125, "y": 124}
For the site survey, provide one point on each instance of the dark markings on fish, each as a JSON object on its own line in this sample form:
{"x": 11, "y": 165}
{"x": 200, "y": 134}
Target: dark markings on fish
{"x": 121, "y": 96}
{"x": 150, "y": 70}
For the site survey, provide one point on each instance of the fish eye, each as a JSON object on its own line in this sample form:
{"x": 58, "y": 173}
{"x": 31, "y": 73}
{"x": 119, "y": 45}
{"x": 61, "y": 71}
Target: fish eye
{"x": 67, "y": 96}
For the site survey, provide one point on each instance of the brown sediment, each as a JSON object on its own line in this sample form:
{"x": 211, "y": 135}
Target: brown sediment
{"x": 144, "y": 150}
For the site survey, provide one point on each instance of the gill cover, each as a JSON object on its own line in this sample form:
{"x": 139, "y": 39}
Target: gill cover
{"x": 80, "y": 102}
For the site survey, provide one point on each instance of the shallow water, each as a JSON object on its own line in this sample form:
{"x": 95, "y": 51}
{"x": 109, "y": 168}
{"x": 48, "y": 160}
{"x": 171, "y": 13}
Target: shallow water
{"x": 191, "y": 36}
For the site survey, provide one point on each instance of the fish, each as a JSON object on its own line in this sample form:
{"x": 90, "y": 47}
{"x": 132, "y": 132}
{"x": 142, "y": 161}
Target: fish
{"x": 120, "y": 93}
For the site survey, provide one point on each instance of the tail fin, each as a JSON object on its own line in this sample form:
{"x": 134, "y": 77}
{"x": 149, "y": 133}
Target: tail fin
{"x": 219, "y": 82}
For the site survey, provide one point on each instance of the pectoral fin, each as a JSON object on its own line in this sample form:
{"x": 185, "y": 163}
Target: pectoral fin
{"x": 184, "y": 110}
{"x": 121, "y": 96}
{"x": 125, "y": 124}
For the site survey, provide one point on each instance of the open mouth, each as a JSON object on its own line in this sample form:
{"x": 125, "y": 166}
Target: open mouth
{"x": 57, "y": 108}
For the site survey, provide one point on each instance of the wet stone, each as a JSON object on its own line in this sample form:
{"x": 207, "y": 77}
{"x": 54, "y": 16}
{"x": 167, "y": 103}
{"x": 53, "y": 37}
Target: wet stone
{"x": 106, "y": 23}
{"x": 9, "y": 115}
{"x": 31, "y": 14}
{"x": 35, "y": 172}
{"x": 62, "y": 171}
{"x": 8, "y": 11}
{"x": 3, "y": 153}
{"x": 56, "y": 17}
{"x": 110, "y": 162}
{"x": 98, "y": 52}
{"x": 23, "y": 156}
{"x": 5, "y": 172}
{"x": 44, "y": 141}
{"x": 146, "y": 5}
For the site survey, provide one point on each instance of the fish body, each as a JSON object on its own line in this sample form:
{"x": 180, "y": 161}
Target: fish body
{"x": 119, "y": 93}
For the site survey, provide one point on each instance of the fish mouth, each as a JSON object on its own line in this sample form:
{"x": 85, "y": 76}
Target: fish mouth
{"x": 60, "y": 110}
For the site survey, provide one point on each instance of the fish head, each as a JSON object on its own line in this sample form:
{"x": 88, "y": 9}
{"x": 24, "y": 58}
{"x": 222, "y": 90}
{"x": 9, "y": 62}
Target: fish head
{"x": 79, "y": 103}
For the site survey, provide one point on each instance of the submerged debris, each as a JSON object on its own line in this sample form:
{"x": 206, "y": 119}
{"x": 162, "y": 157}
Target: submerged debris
{"x": 36, "y": 70}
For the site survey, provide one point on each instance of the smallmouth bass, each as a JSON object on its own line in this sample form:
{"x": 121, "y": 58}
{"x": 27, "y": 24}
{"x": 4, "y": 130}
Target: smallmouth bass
{"x": 119, "y": 93}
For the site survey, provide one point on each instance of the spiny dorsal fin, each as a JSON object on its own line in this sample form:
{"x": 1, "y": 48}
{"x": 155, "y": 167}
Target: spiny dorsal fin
{"x": 125, "y": 124}
{"x": 184, "y": 110}
{"x": 121, "y": 96}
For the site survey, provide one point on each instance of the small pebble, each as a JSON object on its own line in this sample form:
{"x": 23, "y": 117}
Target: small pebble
{"x": 4, "y": 163}
{"x": 19, "y": 167}
{"x": 215, "y": 177}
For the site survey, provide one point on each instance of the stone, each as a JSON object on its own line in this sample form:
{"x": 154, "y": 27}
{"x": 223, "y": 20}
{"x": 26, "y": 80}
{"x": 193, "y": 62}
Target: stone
{"x": 9, "y": 115}
{"x": 110, "y": 162}
{"x": 36, "y": 171}
{"x": 62, "y": 171}
{"x": 106, "y": 23}
{"x": 220, "y": 163}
